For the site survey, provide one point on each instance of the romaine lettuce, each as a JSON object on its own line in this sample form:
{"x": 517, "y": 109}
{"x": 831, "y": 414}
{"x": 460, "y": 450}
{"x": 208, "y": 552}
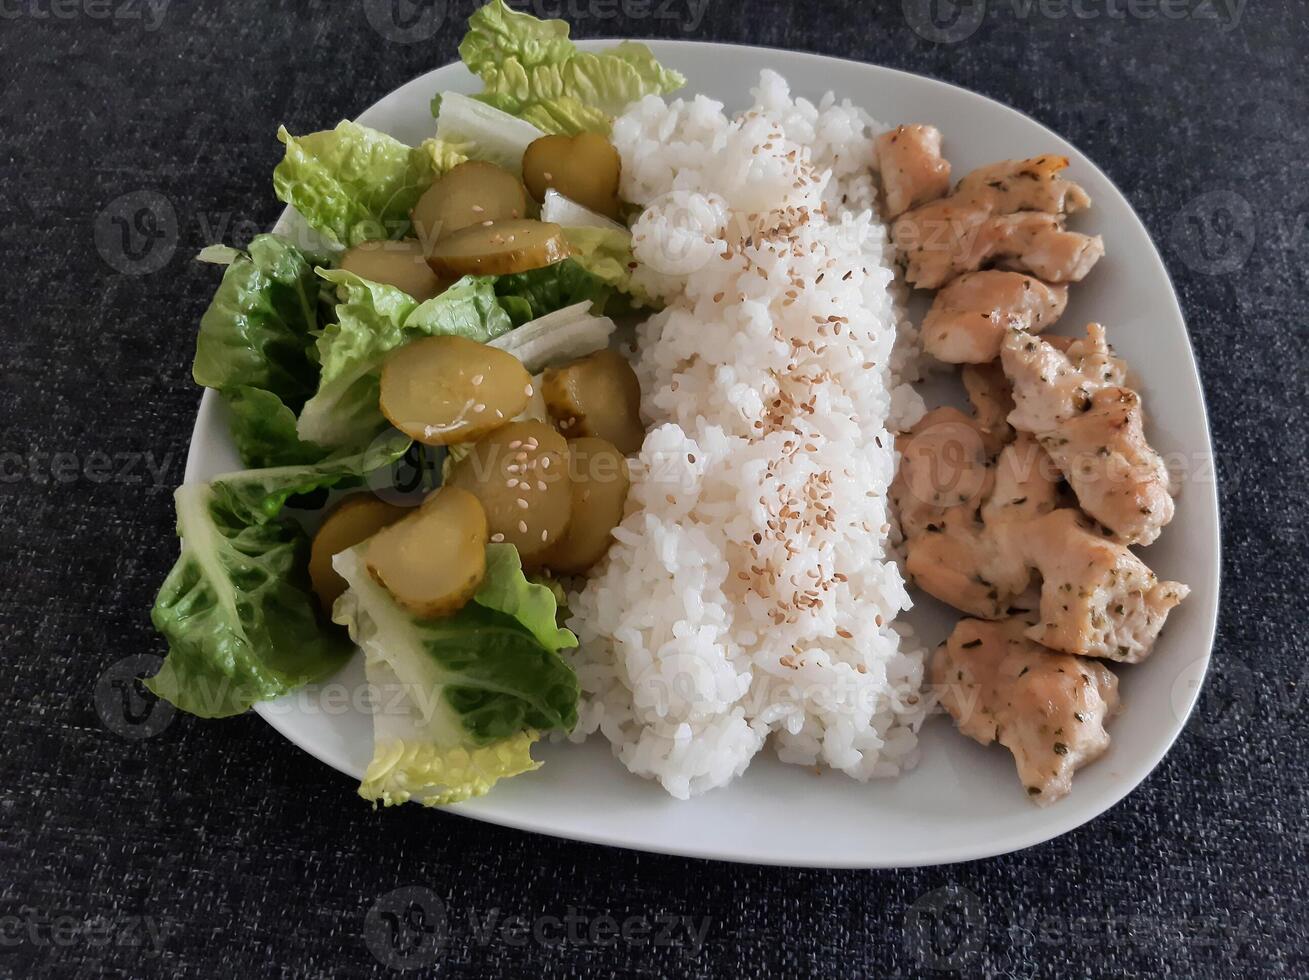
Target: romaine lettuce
{"x": 528, "y": 295}
{"x": 458, "y": 700}
{"x": 241, "y": 621}
{"x": 355, "y": 184}
{"x": 606, "y": 253}
{"x": 256, "y": 348}
{"x": 532, "y": 70}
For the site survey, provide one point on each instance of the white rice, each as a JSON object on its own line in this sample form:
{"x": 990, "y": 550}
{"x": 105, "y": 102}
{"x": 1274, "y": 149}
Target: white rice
{"x": 750, "y": 592}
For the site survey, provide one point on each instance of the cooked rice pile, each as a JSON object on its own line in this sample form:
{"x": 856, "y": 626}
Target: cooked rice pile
{"x": 750, "y": 591}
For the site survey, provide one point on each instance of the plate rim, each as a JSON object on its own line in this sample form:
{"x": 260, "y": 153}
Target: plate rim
{"x": 1040, "y": 832}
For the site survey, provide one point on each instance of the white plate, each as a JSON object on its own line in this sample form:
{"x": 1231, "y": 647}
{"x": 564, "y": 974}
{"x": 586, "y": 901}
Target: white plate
{"x": 963, "y": 801}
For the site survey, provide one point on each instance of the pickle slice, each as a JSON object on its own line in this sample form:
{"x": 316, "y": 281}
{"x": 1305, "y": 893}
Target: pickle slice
{"x": 472, "y": 193}
{"x": 599, "y": 479}
{"x": 597, "y": 395}
{"x": 354, "y": 519}
{"x": 402, "y": 264}
{"x": 520, "y": 474}
{"x": 432, "y": 561}
{"x": 584, "y": 168}
{"x": 441, "y": 390}
{"x": 499, "y": 249}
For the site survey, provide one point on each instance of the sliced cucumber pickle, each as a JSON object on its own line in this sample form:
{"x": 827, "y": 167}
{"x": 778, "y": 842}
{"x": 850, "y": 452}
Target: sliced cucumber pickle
{"x": 599, "y": 480}
{"x": 500, "y": 249}
{"x": 520, "y": 474}
{"x": 584, "y": 168}
{"x": 441, "y": 390}
{"x": 472, "y": 193}
{"x": 432, "y": 561}
{"x": 354, "y": 519}
{"x": 597, "y": 395}
{"x": 402, "y": 264}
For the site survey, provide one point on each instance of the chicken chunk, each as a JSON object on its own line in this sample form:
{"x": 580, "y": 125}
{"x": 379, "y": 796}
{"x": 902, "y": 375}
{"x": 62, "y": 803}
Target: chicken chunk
{"x": 970, "y": 316}
{"x": 1052, "y": 385}
{"x": 1048, "y": 709}
{"x": 1097, "y": 598}
{"x": 944, "y": 465}
{"x": 913, "y": 170}
{"x": 1023, "y": 185}
{"x": 1093, "y": 428}
{"x": 972, "y": 558}
{"x": 940, "y": 242}
{"x": 991, "y": 396}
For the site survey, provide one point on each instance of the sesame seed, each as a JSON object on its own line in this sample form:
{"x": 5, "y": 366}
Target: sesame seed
{"x": 522, "y": 527}
{"x": 477, "y": 379}
{"x": 522, "y": 504}
{"x": 497, "y": 537}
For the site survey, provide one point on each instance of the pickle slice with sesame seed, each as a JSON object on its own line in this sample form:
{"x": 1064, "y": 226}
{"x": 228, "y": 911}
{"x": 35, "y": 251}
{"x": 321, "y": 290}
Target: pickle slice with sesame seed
{"x": 473, "y": 193}
{"x": 584, "y": 168}
{"x": 442, "y": 390}
{"x": 432, "y": 561}
{"x": 498, "y": 249}
{"x": 599, "y": 481}
{"x": 597, "y": 395}
{"x": 520, "y": 474}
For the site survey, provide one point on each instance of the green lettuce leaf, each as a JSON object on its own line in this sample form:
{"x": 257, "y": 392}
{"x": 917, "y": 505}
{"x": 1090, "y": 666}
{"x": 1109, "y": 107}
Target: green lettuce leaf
{"x": 372, "y": 320}
{"x": 258, "y": 496}
{"x": 258, "y": 328}
{"x": 532, "y": 70}
{"x": 528, "y": 295}
{"x": 237, "y": 610}
{"x": 255, "y": 347}
{"x": 355, "y": 184}
{"x": 458, "y": 700}
{"x": 263, "y": 428}
{"x": 606, "y": 253}
{"x": 506, "y": 589}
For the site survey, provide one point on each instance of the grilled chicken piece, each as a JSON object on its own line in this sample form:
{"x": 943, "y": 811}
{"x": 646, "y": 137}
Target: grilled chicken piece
{"x": 913, "y": 170}
{"x": 944, "y": 466}
{"x": 1097, "y": 598}
{"x": 1051, "y": 385}
{"x": 953, "y": 240}
{"x": 1093, "y": 428}
{"x": 1048, "y": 709}
{"x": 1023, "y": 185}
{"x": 974, "y": 558}
{"x": 969, "y": 317}
{"x": 991, "y": 396}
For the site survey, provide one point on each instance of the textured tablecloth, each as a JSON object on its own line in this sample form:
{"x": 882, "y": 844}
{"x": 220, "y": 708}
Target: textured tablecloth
{"x": 132, "y": 133}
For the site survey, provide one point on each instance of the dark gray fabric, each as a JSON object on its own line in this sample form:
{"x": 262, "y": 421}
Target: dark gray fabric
{"x": 218, "y": 848}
